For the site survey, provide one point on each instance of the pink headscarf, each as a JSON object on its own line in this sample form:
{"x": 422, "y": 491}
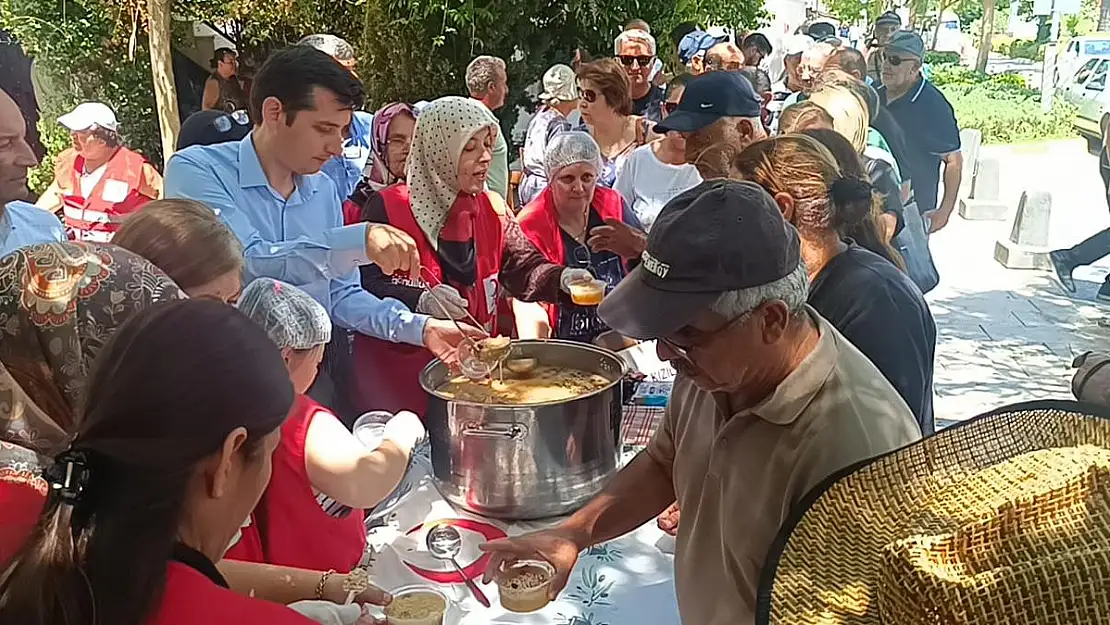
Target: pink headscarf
{"x": 379, "y": 138}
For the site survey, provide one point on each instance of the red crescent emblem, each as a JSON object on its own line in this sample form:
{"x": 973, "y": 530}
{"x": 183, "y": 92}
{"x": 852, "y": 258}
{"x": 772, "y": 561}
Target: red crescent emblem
{"x": 473, "y": 570}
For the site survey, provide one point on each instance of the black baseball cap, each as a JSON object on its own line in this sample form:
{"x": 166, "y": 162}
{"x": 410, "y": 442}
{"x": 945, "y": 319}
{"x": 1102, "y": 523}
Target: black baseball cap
{"x": 821, "y": 31}
{"x": 722, "y": 235}
{"x": 710, "y": 97}
{"x": 212, "y": 127}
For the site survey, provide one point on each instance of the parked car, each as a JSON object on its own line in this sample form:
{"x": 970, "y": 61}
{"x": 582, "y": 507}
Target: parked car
{"x": 1087, "y": 91}
{"x": 1079, "y": 51}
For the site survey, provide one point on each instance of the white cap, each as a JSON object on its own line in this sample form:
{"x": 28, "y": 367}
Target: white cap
{"x": 90, "y": 114}
{"x": 559, "y": 85}
{"x": 797, "y": 44}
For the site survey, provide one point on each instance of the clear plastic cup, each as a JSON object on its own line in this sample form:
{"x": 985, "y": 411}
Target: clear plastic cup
{"x": 524, "y": 585}
{"x": 416, "y": 605}
{"x": 587, "y": 293}
{"x": 369, "y": 429}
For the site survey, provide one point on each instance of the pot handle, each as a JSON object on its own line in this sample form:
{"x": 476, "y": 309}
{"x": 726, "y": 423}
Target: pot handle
{"x": 505, "y": 431}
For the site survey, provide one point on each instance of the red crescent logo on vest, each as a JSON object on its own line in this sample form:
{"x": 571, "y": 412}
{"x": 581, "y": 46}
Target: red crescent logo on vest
{"x": 473, "y": 570}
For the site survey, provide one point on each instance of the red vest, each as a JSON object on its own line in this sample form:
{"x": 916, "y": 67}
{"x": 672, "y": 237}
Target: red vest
{"x": 22, "y": 497}
{"x": 116, "y": 194}
{"x": 540, "y": 223}
{"x": 191, "y": 598}
{"x": 278, "y": 534}
{"x": 386, "y": 374}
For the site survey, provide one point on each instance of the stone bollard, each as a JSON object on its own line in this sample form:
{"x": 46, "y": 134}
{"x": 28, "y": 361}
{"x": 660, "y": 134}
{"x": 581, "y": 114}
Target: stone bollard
{"x": 1027, "y": 245}
{"x": 985, "y": 202}
{"x": 971, "y": 139}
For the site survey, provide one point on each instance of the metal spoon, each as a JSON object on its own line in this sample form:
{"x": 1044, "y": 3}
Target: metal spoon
{"x": 445, "y": 542}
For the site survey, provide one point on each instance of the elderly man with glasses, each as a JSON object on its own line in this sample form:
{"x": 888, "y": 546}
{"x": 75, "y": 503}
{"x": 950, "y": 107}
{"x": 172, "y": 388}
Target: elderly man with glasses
{"x": 635, "y": 49}
{"x": 770, "y": 400}
{"x": 926, "y": 117}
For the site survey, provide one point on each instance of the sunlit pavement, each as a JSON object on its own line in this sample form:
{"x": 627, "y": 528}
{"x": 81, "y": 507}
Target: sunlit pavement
{"x": 1010, "y": 335}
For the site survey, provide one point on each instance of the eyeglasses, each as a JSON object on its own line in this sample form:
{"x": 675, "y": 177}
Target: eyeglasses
{"x": 629, "y": 60}
{"x": 223, "y": 122}
{"x": 683, "y": 351}
{"x": 670, "y": 107}
{"x": 589, "y": 95}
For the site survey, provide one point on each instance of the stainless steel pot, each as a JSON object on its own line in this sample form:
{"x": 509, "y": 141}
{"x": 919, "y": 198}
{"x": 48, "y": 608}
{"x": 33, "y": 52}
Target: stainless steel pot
{"x": 527, "y": 462}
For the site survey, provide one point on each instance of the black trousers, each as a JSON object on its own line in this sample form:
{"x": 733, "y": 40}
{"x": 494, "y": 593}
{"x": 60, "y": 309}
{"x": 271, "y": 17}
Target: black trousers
{"x": 1097, "y": 246}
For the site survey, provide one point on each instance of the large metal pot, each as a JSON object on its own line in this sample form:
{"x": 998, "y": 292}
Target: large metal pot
{"x": 527, "y": 462}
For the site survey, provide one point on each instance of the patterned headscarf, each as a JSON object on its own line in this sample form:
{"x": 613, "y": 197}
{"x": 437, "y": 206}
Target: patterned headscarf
{"x": 380, "y": 176}
{"x": 59, "y": 304}
{"x": 432, "y": 171}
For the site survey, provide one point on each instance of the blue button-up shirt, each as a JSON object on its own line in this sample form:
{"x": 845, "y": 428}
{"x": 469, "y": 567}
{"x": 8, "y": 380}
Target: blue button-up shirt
{"x": 23, "y": 224}
{"x": 300, "y": 240}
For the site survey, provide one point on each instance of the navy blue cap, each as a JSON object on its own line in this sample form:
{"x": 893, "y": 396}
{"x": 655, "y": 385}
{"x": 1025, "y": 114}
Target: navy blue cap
{"x": 212, "y": 127}
{"x": 710, "y": 97}
{"x": 697, "y": 42}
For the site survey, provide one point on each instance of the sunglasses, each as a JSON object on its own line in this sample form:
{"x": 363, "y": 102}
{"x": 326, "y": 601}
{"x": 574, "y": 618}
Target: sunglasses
{"x": 589, "y": 95}
{"x": 895, "y": 61}
{"x": 629, "y": 60}
{"x": 670, "y": 107}
{"x": 223, "y": 123}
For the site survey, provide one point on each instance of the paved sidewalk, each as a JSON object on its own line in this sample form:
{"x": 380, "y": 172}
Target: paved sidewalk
{"x": 1010, "y": 335}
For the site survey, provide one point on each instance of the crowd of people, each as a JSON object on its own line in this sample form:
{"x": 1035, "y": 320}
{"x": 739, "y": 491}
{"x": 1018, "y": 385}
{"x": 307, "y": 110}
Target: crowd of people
{"x": 167, "y": 433}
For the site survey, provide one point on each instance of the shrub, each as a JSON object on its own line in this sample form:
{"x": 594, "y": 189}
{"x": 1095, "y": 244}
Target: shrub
{"x": 1024, "y": 49}
{"x": 1006, "y": 113}
{"x": 942, "y": 58}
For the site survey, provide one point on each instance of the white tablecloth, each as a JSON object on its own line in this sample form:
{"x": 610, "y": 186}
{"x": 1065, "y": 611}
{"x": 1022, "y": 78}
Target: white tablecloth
{"x": 628, "y": 581}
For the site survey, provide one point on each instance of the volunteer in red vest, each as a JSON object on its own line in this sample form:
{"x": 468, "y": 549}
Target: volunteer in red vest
{"x": 323, "y": 476}
{"x": 98, "y": 181}
{"x": 580, "y": 224}
{"x": 472, "y": 252}
{"x": 191, "y": 454}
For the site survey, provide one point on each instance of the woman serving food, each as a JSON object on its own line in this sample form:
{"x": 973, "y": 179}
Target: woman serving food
{"x": 471, "y": 251}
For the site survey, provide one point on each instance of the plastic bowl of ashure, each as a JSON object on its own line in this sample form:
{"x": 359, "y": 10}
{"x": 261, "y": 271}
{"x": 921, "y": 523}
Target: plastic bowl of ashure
{"x": 418, "y": 605}
{"x": 369, "y": 429}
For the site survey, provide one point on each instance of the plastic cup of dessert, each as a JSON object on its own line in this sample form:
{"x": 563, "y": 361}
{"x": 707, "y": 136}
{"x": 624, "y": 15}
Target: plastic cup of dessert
{"x": 416, "y": 605}
{"x": 369, "y": 429}
{"x": 587, "y": 292}
{"x": 524, "y": 585}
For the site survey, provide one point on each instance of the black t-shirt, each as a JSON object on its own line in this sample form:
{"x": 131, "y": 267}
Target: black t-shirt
{"x": 929, "y": 124}
{"x": 651, "y": 105}
{"x": 880, "y": 310}
{"x": 885, "y": 123}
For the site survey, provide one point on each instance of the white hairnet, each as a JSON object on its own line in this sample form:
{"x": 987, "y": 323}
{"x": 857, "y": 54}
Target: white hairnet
{"x": 288, "y": 315}
{"x": 569, "y": 148}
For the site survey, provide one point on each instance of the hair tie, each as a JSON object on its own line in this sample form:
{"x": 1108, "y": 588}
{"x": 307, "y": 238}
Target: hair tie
{"x": 69, "y": 476}
{"x": 845, "y": 190}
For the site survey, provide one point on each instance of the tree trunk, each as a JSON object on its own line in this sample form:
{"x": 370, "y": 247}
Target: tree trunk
{"x": 1103, "y": 16}
{"x": 936, "y": 29}
{"x": 161, "y": 70}
{"x": 986, "y": 31}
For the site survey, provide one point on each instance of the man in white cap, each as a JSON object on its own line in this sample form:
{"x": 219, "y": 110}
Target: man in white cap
{"x": 560, "y": 100}
{"x": 786, "y": 91}
{"x": 98, "y": 181}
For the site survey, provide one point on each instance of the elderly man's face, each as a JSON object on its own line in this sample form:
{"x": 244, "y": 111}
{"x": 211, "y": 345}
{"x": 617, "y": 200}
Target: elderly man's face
{"x": 793, "y": 64}
{"x": 498, "y": 91}
{"x": 728, "y": 355}
{"x": 90, "y": 146}
{"x": 713, "y": 148}
{"x": 899, "y": 69}
{"x": 753, "y": 56}
{"x": 724, "y": 56}
{"x": 637, "y": 58}
{"x": 884, "y": 33}
{"x": 811, "y": 66}
{"x": 16, "y": 156}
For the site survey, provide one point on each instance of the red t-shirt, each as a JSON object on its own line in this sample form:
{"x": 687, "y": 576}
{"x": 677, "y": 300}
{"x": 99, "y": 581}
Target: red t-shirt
{"x": 192, "y": 598}
{"x": 290, "y": 524}
{"x": 22, "y": 496}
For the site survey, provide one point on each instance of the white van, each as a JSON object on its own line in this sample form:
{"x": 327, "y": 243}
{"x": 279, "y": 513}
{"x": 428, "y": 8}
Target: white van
{"x": 1079, "y": 51}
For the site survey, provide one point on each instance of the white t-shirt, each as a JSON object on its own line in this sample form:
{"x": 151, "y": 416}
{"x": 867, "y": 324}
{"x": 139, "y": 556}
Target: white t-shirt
{"x": 647, "y": 183}
{"x": 89, "y": 180}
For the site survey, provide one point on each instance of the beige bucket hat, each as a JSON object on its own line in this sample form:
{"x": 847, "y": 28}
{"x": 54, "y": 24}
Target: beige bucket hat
{"x": 1000, "y": 520}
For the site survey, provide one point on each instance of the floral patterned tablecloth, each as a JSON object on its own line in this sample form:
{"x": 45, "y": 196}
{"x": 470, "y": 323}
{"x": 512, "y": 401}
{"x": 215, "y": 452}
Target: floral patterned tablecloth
{"x": 623, "y": 582}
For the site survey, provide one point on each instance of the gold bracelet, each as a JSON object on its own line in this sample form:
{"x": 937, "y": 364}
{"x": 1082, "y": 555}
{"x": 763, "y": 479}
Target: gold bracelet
{"x": 323, "y": 581}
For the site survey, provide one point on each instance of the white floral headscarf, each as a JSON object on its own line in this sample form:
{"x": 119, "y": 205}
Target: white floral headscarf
{"x": 441, "y": 133}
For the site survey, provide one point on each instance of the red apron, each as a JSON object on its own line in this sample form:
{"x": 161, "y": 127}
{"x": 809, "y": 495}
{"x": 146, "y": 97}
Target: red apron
{"x": 115, "y": 195}
{"x": 192, "y": 598}
{"x": 387, "y": 374}
{"x": 539, "y": 221}
{"x": 289, "y": 526}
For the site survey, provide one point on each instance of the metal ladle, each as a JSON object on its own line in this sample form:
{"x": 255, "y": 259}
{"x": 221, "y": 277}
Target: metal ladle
{"x": 445, "y": 543}
{"x": 484, "y": 358}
